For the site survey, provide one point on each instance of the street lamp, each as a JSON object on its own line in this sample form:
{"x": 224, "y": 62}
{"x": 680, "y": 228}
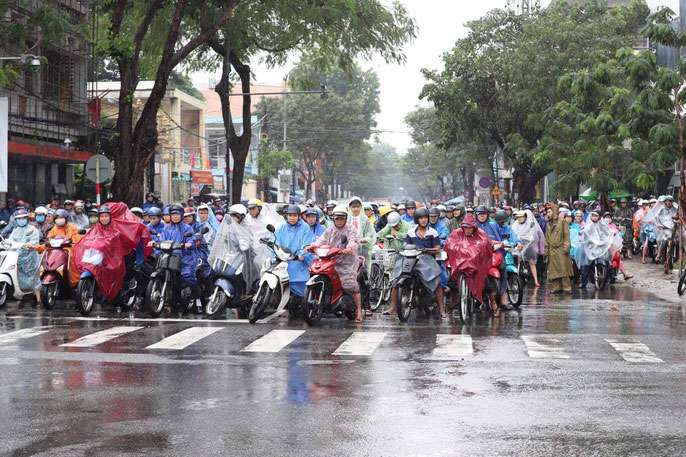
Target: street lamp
{"x": 33, "y": 60}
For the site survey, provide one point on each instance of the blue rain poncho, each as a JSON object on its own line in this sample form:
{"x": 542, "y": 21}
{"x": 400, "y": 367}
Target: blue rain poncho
{"x": 574, "y": 230}
{"x": 295, "y": 237}
{"x": 28, "y": 261}
{"x": 189, "y": 257}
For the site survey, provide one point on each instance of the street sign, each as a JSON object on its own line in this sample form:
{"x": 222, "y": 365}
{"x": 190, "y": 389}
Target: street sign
{"x": 496, "y": 191}
{"x": 105, "y": 169}
{"x": 466, "y": 194}
{"x": 485, "y": 182}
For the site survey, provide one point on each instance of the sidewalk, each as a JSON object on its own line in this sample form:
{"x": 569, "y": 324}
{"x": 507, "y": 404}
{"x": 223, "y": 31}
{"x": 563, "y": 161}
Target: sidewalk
{"x": 651, "y": 278}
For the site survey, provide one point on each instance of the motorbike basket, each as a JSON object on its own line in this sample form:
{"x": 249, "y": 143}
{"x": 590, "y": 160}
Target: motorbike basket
{"x": 169, "y": 262}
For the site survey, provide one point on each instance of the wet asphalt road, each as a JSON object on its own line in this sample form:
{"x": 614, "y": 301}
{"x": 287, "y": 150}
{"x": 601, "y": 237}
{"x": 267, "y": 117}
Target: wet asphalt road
{"x": 592, "y": 374}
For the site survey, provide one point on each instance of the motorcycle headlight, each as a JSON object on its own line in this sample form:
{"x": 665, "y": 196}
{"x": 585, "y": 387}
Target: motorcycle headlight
{"x": 166, "y": 245}
{"x": 282, "y": 255}
{"x": 55, "y": 243}
{"x": 321, "y": 252}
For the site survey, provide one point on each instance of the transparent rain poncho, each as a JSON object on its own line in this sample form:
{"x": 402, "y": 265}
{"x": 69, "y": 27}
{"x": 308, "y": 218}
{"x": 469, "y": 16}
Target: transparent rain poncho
{"x": 531, "y": 236}
{"x": 596, "y": 241}
{"x": 660, "y": 217}
{"x": 268, "y": 215}
{"x": 235, "y": 241}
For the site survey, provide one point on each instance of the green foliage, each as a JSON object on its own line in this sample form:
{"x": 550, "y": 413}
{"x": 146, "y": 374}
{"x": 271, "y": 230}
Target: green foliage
{"x": 270, "y": 161}
{"x": 499, "y": 80}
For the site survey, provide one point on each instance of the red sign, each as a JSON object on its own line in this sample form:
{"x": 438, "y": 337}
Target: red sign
{"x": 201, "y": 177}
{"x": 70, "y": 155}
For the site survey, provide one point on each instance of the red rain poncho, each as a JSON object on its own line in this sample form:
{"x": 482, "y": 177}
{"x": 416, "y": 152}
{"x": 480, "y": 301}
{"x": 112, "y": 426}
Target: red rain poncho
{"x": 101, "y": 251}
{"x": 471, "y": 255}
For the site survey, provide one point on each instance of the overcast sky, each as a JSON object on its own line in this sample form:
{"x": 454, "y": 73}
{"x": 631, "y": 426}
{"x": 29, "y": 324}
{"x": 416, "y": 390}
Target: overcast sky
{"x": 440, "y": 23}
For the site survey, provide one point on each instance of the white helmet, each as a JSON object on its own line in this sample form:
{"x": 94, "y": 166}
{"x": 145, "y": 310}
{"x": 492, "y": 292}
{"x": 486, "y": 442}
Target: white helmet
{"x": 41, "y": 210}
{"x": 137, "y": 211}
{"x": 393, "y": 219}
{"x": 239, "y": 210}
{"x": 441, "y": 208}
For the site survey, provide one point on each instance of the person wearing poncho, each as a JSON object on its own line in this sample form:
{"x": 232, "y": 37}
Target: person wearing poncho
{"x": 296, "y": 234}
{"x": 557, "y": 249}
{"x": 365, "y": 230}
{"x": 28, "y": 261}
{"x": 595, "y": 241}
{"x": 532, "y": 238}
{"x": 470, "y": 251}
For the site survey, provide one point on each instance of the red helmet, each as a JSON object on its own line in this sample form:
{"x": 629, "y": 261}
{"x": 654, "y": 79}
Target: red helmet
{"x": 187, "y": 211}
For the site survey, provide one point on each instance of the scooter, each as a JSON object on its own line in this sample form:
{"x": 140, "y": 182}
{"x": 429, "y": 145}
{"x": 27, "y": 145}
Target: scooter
{"x": 87, "y": 291}
{"x": 9, "y": 279}
{"x": 412, "y": 294}
{"x": 603, "y": 272}
{"x": 324, "y": 293}
{"x": 494, "y": 277}
{"x": 55, "y": 271}
{"x": 515, "y": 286}
{"x": 274, "y": 290}
{"x": 165, "y": 282}
{"x": 229, "y": 285}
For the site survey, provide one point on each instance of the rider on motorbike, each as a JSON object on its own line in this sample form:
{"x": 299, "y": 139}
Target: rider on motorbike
{"x": 661, "y": 218}
{"x": 156, "y": 221}
{"x": 312, "y": 220}
{"x": 68, "y": 230}
{"x": 296, "y": 234}
{"x": 346, "y": 264}
{"x": 28, "y": 261}
{"x": 531, "y": 236}
{"x": 595, "y": 241}
{"x": 382, "y": 221}
{"x": 427, "y": 267}
{"x": 365, "y": 230}
{"x": 397, "y": 228}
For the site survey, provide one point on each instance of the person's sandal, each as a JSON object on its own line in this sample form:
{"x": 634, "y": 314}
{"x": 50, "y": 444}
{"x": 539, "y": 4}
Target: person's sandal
{"x": 627, "y": 277}
{"x": 367, "y": 312}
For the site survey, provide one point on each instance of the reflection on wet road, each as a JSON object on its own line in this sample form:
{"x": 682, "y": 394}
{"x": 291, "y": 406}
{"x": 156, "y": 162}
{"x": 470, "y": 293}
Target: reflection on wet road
{"x": 595, "y": 373}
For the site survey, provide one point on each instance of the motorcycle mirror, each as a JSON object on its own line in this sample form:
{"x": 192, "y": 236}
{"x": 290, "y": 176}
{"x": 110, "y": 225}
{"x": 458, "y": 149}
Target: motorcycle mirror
{"x": 82, "y": 232}
{"x": 3, "y": 223}
{"x": 205, "y": 230}
{"x": 271, "y": 228}
{"x": 344, "y": 240}
{"x": 153, "y": 232}
{"x": 187, "y": 235}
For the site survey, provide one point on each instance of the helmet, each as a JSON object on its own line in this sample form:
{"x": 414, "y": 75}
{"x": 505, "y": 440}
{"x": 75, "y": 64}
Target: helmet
{"x": 255, "y": 203}
{"x": 433, "y": 211}
{"x": 355, "y": 199}
{"x": 311, "y": 211}
{"x": 421, "y": 212}
{"x": 66, "y": 202}
{"x": 669, "y": 198}
{"x": 165, "y": 210}
{"x": 101, "y": 210}
{"x": 367, "y": 206}
{"x": 137, "y": 211}
{"x": 204, "y": 206}
{"x": 449, "y": 208}
{"x": 155, "y": 211}
{"x": 652, "y": 200}
{"x": 93, "y": 210}
{"x": 441, "y": 207}
{"x": 491, "y": 210}
{"x": 607, "y": 214}
{"x": 331, "y": 204}
{"x": 410, "y": 204}
{"x": 238, "y": 210}
{"x": 501, "y": 216}
{"x": 188, "y": 212}
{"x": 41, "y": 210}
{"x": 481, "y": 209}
{"x": 469, "y": 210}
{"x": 175, "y": 209}
{"x": 644, "y": 202}
{"x": 293, "y": 209}
{"x": 340, "y": 210}
{"x": 63, "y": 213}
{"x": 613, "y": 200}
{"x": 384, "y": 210}
{"x": 309, "y": 202}
{"x": 303, "y": 208}
{"x": 79, "y": 203}
{"x": 393, "y": 219}
{"x": 624, "y": 200}
{"x": 401, "y": 207}
{"x": 20, "y": 213}
{"x": 520, "y": 213}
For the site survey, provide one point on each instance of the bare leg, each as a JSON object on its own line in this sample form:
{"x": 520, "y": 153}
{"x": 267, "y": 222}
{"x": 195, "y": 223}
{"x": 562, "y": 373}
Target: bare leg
{"x": 494, "y": 305}
{"x": 440, "y": 300}
{"x": 38, "y": 296}
{"x": 394, "y": 301}
{"x": 645, "y": 251}
{"x": 534, "y": 273}
{"x": 357, "y": 298}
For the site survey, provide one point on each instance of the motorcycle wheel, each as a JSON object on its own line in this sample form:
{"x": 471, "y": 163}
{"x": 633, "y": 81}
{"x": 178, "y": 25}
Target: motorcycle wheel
{"x": 599, "y": 276}
{"x": 681, "y": 288}
{"x": 154, "y": 297}
{"x": 5, "y": 292}
{"x": 514, "y": 289}
{"x": 465, "y": 300}
{"x": 316, "y": 298}
{"x": 216, "y": 303}
{"x": 85, "y": 296}
{"x": 376, "y": 287}
{"x": 259, "y": 304}
{"x": 404, "y": 302}
{"x": 636, "y": 246}
{"x": 386, "y": 288}
{"x": 47, "y": 295}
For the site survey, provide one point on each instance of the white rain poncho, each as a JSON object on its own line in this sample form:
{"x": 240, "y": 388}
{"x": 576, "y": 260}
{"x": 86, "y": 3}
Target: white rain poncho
{"x": 268, "y": 215}
{"x": 596, "y": 241}
{"x": 227, "y": 248}
{"x": 660, "y": 217}
{"x": 531, "y": 236}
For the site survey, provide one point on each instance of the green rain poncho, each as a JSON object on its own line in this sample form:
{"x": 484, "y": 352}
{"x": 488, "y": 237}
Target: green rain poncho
{"x": 400, "y": 235}
{"x": 365, "y": 230}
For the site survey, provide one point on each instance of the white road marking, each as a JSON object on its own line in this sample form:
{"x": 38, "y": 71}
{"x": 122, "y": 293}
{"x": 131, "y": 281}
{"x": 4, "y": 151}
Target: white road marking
{"x": 184, "y": 338}
{"x": 451, "y": 346}
{"x": 272, "y": 316}
{"x": 360, "y": 343}
{"x": 633, "y": 351}
{"x": 161, "y": 319}
{"x": 273, "y": 341}
{"x": 100, "y": 337}
{"x": 24, "y": 333}
{"x": 541, "y": 348}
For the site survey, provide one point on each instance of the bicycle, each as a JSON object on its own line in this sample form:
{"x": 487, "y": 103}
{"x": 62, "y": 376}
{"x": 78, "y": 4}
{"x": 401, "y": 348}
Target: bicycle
{"x": 380, "y": 278}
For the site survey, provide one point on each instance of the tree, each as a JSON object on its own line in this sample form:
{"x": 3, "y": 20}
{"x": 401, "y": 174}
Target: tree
{"x": 325, "y": 31}
{"x": 270, "y": 162}
{"x": 614, "y": 128}
{"x": 159, "y": 28}
{"x": 38, "y": 30}
{"x": 500, "y": 79}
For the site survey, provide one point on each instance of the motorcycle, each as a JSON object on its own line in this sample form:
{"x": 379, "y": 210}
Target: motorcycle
{"x": 9, "y": 279}
{"x": 229, "y": 284}
{"x": 165, "y": 282}
{"x": 412, "y": 293}
{"x": 54, "y": 271}
{"x": 603, "y": 271}
{"x": 273, "y": 291}
{"x": 87, "y": 291}
{"x": 324, "y": 293}
{"x": 515, "y": 286}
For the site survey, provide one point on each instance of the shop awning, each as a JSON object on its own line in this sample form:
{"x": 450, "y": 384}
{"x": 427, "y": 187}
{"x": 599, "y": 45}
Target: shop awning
{"x": 48, "y": 152}
{"x": 616, "y": 194}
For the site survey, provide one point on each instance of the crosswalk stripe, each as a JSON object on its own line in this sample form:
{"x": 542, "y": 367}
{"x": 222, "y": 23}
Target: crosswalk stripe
{"x": 634, "y": 351}
{"x": 448, "y": 346}
{"x": 184, "y": 338}
{"x": 544, "y": 348}
{"x": 360, "y": 343}
{"x": 24, "y": 333}
{"x": 273, "y": 341}
{"x": 100, "y": 337}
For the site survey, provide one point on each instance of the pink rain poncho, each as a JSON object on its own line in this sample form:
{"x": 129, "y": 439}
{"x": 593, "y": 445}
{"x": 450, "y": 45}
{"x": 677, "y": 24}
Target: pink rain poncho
{"x": 470, "y": 255}
{"x": 346, "y": 265}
